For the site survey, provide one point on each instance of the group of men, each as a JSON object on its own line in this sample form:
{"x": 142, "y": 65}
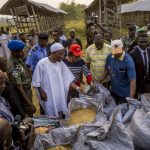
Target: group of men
{"x": 122, "y": 66}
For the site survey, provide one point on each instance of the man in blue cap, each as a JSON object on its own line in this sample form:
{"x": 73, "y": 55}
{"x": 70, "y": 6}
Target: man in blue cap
{"x": 37, "y": 53}
{"x": 19, "y": 75}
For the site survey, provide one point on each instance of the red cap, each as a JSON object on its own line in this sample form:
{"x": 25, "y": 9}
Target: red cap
{"x": 75, "y": 49}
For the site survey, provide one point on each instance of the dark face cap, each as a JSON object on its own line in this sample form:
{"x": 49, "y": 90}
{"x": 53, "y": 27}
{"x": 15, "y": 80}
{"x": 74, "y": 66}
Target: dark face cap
{"x": 43, "y": 36}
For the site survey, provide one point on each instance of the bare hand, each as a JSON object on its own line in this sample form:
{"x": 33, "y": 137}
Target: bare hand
{"x": 43, "y": 95}
{"x": 93, "y": 87}
{"x": 101, "y": 80}
{"x": 33, "y": 109}
{"x": 81, "y": 90}
{"x": 31, "y": 138}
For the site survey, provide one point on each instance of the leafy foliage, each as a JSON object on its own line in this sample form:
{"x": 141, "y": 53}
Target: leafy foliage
{"x": 73, "y": 9}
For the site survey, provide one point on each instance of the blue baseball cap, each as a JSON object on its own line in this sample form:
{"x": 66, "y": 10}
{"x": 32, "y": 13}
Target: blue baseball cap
{"x": 15, "y": 45}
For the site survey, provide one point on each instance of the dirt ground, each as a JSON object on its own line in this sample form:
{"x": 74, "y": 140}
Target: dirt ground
{"x": 36, "y": 103}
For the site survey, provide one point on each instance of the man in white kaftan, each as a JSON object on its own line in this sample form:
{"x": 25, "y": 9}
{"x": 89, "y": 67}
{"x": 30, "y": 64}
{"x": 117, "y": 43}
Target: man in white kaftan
{"x": 4, "y": 50}
{"x": 55, "y": 80}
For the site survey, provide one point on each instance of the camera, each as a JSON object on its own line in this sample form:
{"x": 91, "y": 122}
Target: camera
{"x": 17, "y": 126}
{"x": 92, "y": 20}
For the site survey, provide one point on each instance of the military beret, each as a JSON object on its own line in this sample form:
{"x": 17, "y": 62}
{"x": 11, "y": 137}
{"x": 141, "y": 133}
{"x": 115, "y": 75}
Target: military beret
{"x": 15, "y": 45}
{"x": 43, "y": 36}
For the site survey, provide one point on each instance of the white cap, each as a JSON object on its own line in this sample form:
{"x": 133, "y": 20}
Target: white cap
{"x": 56, "y": 47}
{"x": 116, "y": 44}
{"x": 117, "y": 47}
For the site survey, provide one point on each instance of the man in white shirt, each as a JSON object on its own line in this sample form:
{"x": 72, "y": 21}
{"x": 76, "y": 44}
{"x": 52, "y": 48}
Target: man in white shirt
{"x": 52, "y": 79}
{"x": 4, "y": 51}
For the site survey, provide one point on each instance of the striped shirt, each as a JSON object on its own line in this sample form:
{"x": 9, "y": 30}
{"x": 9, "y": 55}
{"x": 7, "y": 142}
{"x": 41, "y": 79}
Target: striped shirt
{"x": 97, "y": 59}
{"x": 78, "y": 69}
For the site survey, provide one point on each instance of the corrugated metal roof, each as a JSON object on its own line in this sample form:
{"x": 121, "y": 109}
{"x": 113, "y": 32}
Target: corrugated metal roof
{"x": 12, "y": 3}
{"x": 96, "y": 1}
{"x": 142, "y": 5}
{"x": 48, "y": 7}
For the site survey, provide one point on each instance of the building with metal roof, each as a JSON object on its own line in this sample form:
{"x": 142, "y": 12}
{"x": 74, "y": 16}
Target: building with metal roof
{"x": 27, "y": 15}
{"x": 108, "y": 11}
{"x": 136, "y": 13}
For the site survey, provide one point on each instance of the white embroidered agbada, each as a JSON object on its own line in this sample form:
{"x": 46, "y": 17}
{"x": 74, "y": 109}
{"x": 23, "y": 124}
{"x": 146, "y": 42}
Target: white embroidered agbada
{"x": 55, "y": 80}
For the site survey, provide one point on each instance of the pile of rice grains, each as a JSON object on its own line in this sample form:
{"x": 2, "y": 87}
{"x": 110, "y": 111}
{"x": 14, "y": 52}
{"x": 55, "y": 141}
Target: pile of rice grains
{"x": 78, "y": 116}
{"x": 81, "y": 116}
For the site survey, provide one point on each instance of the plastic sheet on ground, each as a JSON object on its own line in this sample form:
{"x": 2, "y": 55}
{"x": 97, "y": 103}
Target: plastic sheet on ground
{"x": 86, "y": 102}
{"x": 68, "y": 135}
{"x": 103, "y": 96}
{"x": 98, "y": 135}
{"x": 111, "y": 136}
{"x": 41, "y": 121}
{"x": 140, "y": 129}
{"x": 59, "y": 136}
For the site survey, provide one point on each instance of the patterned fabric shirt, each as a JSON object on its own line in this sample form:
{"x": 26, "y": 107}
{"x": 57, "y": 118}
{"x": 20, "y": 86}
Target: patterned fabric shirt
{"x": 78, "y": 69}
{"x": 17, "y": 72}
{"x": 129, "y": 43}
{"x": 97, "y": 59}
{"x": 5, "y": 110}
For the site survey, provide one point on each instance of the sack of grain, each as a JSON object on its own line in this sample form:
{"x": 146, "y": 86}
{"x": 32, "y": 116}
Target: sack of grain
{"x": 99, "y": 89}
{"x": 111, "y": 136}
{"x": 44, "y": 121}
{"x": 85, "y": 110}
{"x": 127, "y": 110}
{"x": 103, "y": 96}
{"x": 56, "y": 138}
{"x": 145, "y": 99}
{"x": 140, "y": 129}
{"x": 66, "y": 147}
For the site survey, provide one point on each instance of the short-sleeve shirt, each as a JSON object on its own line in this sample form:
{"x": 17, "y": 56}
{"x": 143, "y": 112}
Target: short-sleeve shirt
{"x": 97, "y": 59}
{"x": 78, "y": 68}
{"x": 35, "y": 55}
{"x": 17, "y": 72}
{"x": 121, "y": 71}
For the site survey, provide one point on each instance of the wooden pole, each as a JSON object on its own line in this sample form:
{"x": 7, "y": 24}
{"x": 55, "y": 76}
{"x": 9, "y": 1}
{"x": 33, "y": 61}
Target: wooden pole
{"x": 120, "y": 23}
{"x": 35, "y": 18}
{"x": 17, "y": 22}
{"x": 100, "y": 11}
{"x": 105, "y": 11}
{"x": 11, "y": 11}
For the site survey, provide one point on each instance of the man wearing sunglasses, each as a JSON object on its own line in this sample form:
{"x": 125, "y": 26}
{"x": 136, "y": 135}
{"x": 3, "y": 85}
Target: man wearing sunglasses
{"x": 141, "y": 57}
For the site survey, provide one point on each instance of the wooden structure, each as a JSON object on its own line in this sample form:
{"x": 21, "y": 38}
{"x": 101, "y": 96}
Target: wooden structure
{"x": 27, "y": 15}
{"x": 108, "y": 12}
{"x": 136, "y": 13}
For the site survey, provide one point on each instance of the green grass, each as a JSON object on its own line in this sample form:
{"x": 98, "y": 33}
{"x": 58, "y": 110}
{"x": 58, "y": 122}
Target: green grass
{"x": 79, "y": 26}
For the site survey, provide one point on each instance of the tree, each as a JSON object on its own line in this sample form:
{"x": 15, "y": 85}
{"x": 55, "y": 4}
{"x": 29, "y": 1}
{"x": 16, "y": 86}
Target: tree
{"x": 73, "y": 9}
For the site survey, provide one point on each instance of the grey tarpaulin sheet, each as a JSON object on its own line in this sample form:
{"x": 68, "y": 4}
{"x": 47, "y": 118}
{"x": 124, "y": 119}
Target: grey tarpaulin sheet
{"x": 140, "y": 129}
{"x": 127, "y": 110}
{"x": 45, "y": 121}
{"x": 115, "y": 128}
{"x": 140, "y": 124}
{"x": 111, "y": 135}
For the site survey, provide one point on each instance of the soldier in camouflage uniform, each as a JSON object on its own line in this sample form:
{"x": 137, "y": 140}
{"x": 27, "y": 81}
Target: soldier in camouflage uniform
{"x": 19, "y": 76}
{"x": 129, "y": 41}
{"x": 23, "y": 38}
